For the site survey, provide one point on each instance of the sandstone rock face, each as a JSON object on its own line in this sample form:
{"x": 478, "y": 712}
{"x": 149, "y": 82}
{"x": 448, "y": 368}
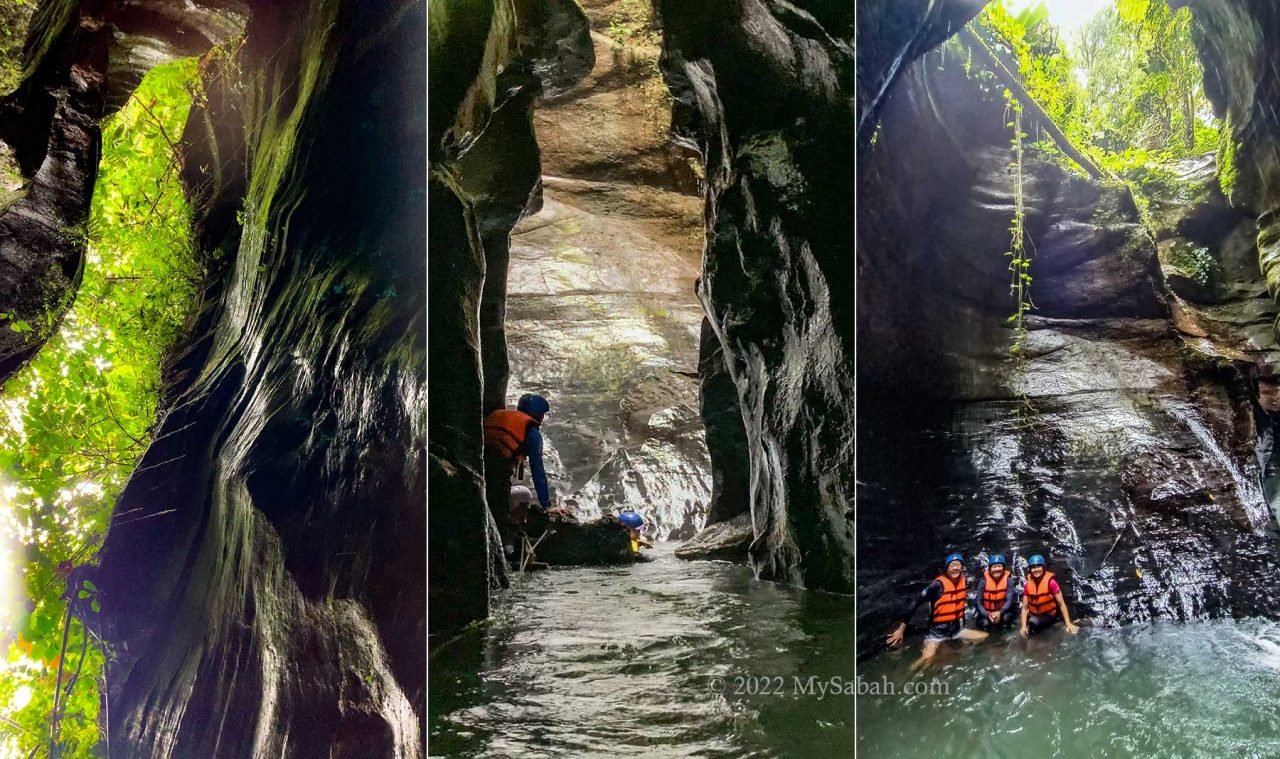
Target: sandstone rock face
{"x": 1121, "y": 445}
{"x": 601, "y": 312}
{"x": 262, "y": 582}
{"x": 765, "y": 92}
{"x": 601, "y": 319}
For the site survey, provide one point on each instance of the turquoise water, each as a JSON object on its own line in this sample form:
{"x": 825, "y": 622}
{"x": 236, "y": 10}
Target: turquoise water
{"x": 624, "y": 662}
{"x": 1208, "y": 689}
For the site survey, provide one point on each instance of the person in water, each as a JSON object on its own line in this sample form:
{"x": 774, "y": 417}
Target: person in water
{"x": 948, "y": 597}
{"x": 635, "y": 526}
{"x": 1042, "y": 600}
{"x": 993, "y": 606}
{"x": 511, "y": 437}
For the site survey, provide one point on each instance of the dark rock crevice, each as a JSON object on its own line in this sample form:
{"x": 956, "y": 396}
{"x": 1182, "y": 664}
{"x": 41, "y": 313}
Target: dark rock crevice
{"x": 491, "y": 60}
{"x": 269, "y": 600}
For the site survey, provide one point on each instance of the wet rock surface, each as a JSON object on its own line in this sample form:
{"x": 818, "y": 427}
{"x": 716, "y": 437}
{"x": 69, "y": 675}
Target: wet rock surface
{"x": 765, "y": 93}
{"x": 601, "y": 315}
{"x": 1123, "y": 445}
{"x": 601, "y": 319}
{"x": 602, "y": 542}
{"x": 264, "y": 593}
{"x": 728, "y": 539}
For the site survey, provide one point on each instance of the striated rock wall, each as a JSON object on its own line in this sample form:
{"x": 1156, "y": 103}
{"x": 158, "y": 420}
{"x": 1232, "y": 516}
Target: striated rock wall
{"x": 262, "y": 583}
{"x": 490, "y": 60}
{"x": 764, "y": 91}
{"x": 1240, "y": 226}
{"x": 1237, "y": 40}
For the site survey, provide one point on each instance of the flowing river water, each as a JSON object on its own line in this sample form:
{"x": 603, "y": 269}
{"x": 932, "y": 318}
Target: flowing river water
{"x": 669, "y": 658}
{"x": 677, "y": 658}
{"x": 1204, "y": 689}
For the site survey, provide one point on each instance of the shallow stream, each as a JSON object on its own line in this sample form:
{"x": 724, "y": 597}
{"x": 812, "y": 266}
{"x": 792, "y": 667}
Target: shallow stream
{"x": 664, "y": 659}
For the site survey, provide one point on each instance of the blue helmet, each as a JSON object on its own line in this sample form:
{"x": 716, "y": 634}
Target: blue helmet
{"x": 631, "y": 519}
{"x": 953, "y": 557}
{"x": 996, "y": 559}
{"x": 533, "y": 404}
{"x": 1035, "y": 561}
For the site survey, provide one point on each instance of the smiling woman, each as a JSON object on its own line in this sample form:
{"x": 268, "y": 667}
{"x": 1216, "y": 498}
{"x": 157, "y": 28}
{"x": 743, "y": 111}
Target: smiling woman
{"x": 74, "y": 422}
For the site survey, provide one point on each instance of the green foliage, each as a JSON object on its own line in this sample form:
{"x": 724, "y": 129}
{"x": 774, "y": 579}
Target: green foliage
{"x": 75, "y": 421}
{"x": 1128, "y": 95}
{"x": 633, "y": 26}
{"x": 1128, "y": 92}
{"x": 1019, "y": 255}
{"x": 15, "y": 16}
{"x": 1030, "y": 45}
{"x": 632, "y": 22}
{"x": 1197, "y": 263}
{"x": 1144, "y": 82}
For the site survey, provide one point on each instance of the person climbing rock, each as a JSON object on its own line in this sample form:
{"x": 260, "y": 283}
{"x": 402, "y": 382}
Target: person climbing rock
{"x": 947, "y": 595}
{"x": 993, "y": 606}
{"x": 1042, "y": 600}
{"x": 511, "y": 437}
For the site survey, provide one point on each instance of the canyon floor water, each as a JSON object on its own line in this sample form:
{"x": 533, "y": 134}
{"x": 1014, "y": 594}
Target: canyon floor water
{"x": 668, "y": 658}
{"x": 1205, "y": 689}
{"x": 675, "y": 658}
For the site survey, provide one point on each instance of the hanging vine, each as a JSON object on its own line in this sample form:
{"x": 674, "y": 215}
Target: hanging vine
{"x": 1019, "y": 252}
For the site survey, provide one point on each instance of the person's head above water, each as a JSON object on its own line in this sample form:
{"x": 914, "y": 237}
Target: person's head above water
{"x": 955, "y": 564}
{"x": 631, "y": 519}
{"x": 534, "y": 405}
{"x": 996, "y": 565}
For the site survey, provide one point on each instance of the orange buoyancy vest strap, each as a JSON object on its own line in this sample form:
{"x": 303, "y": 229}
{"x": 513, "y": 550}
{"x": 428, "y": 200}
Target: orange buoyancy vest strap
{"x": 505, "y": 431}
{"x": 994, "y": 593}
{"x": 950, "y": 605}
{"x": 1040, "y": 598}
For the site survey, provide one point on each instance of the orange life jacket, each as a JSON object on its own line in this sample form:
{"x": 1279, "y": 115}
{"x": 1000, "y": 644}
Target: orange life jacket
{"x": 950, "y": 605}
{"x": 505, "y": 431}
{"x": 1040, "y": 599}
{"x": 994, "y": 593}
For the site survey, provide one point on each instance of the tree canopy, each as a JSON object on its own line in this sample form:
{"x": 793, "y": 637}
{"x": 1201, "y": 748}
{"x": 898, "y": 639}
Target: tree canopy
{"x": 74, "y": 422}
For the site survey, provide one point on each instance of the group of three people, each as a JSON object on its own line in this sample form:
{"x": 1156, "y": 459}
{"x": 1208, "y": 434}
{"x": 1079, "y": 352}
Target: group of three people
{"x": 948, "y": 596}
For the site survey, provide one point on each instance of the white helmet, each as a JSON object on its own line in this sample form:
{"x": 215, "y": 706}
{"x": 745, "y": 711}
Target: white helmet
{"x": 520, "y": 496}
